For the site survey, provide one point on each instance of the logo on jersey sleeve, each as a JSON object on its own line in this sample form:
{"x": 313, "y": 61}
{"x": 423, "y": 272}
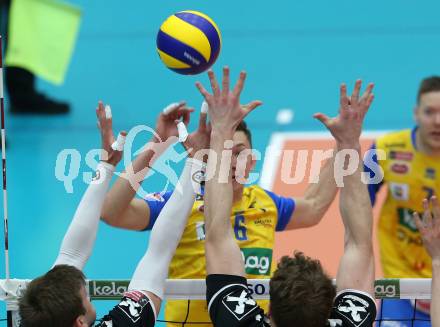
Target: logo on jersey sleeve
{"x": 240, "y": 303}
{"x": 133, "y": 304}
{"x": 97, "y": 176}
{"x": 198, "y": 177}
{"x": 354, "y": 309}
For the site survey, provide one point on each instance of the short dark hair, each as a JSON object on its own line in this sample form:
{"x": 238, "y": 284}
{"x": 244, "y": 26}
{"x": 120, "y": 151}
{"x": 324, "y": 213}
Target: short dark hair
{"x": 53, "y": 299}
{"x": 429, "y": 84}
{"x": 301, "y": 293}
{"x": 242, "y": 127}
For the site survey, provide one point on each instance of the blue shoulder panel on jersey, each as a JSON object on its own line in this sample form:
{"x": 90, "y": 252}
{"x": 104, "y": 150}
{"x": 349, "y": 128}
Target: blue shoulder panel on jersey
{"x": 413, "y": 137}
{"x": 285, "y": 209}
{"x": 156, "y": 202}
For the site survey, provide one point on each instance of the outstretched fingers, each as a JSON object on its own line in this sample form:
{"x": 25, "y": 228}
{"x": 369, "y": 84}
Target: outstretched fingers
{"x": 435, "y": 209}
{"x": 173, "y": 108}
{"x": 367, "y": 97}
{"x": 251, "y": 106}
{"x": 104, "y": 115}
{"x": 368, "y": 90}
{"x": 427, "y": 216}
{"x": 203, "y": 91}
{"x": 100, "y": 112}
{"x": 214, "y": 84}
{"x": 418, "y": 222}
{"x": 240, "y": 85}
{"x": 369, "y": 101}
{"x": 344, "y": 100}
{"x": 356, "y": 91}
{"x": 324, "y": 119}
{"x": 226, "y": 81}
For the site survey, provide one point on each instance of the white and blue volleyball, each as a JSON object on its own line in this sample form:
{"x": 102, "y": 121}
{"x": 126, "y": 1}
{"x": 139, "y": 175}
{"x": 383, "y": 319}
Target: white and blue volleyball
{"x": 188, "y": 42}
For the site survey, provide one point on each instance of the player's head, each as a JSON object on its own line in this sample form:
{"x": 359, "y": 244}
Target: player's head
{"x": 57, "y": 299}
{"x": 300, "y": 293}
{"x": 242, "y": 144}
{"x": 427, "y": 112}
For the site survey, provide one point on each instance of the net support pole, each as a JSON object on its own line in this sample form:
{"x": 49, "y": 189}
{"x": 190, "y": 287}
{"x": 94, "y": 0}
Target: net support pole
{"x": 5, "y": 196}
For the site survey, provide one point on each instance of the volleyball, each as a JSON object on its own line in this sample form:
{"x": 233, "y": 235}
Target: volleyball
{"x": 188, "y": 42}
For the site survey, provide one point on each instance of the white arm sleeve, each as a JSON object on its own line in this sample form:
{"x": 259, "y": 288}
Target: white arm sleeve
{"x": 78, "y": 242}
{"x": 152, "y": 270}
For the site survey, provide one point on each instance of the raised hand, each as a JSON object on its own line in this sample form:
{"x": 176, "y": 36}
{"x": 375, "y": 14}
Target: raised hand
{"x": 429, "y": 227}
{"x": 346, "y": 128}
{"x": 111, "y": 150}
{"x": 165, "y": 125}
{"x": 225, "y": 111}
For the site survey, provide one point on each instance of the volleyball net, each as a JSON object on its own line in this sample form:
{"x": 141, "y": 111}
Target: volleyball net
{"x": 397, "y": 308}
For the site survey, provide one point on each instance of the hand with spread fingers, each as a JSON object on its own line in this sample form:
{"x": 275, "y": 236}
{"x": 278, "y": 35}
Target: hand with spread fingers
{"x": 225, "y": 111}
{"x": 346, "y": 128}
{"x": 166, "y": 126}
{"x": 429, "y": 226}
{"x": 111, "y": 147}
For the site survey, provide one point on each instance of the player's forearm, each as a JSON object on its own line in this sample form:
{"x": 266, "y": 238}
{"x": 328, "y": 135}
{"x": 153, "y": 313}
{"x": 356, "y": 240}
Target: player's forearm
{"x": 321, "y": 195}
{"x": 222, "y": 253}
{"x": 80, "y": 238}
{"x": 181, "y": 200}
{"x": 126, "y": 186}
{"x": 355, "y": 205}
{"x": 435, "y": 293}
{"x": 152, "y": 270}
{"x": 218, "y": 195}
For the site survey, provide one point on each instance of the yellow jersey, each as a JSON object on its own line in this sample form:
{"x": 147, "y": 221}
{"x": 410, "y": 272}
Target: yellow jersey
{"x": 410, "y": 176}
{"x": 254, "y": 220}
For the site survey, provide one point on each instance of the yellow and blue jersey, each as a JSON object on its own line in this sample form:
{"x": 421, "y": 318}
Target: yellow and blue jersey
{"x": 410, "y": 176}
{"x": 254, "y": 221}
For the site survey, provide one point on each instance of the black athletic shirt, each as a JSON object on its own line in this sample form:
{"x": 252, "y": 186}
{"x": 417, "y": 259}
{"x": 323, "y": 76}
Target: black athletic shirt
{"x": 230, "y": 304}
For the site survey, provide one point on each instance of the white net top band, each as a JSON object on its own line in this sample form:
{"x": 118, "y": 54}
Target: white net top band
{"x": 194, "y": 289}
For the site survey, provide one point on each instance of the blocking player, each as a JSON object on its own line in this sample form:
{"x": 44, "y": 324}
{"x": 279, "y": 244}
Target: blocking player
{"x": 59, "y": 297}
{"x": 411, "y": 169}
{"x": 255, "y": 216}
{"x": 301, "y": 294}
